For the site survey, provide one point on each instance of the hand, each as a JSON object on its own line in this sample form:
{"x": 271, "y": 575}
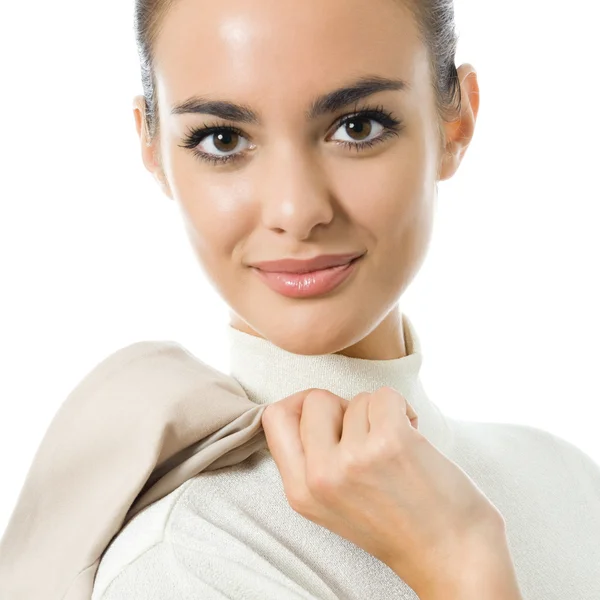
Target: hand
{"x": 363, "y": 470}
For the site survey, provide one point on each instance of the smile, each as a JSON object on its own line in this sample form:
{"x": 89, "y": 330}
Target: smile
{"x": 313, "y": 283}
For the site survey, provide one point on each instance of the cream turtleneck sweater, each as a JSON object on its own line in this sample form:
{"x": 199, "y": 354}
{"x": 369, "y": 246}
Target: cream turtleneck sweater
{"x": 231, "y": 534}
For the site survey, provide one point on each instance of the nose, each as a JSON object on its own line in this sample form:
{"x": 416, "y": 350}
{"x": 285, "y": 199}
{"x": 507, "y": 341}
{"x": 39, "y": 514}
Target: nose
{"x": 295, "y": 197}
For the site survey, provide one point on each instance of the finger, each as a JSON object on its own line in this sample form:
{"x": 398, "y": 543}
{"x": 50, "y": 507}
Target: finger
{"x": 321, "y": 426}
{"x": 282, "y": 430}
{"x": 412, "y": 415}
{"x": 356, "y": 421}
{"x": 389, "y": 409}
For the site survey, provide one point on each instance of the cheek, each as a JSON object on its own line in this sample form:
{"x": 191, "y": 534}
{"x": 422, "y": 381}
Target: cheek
{"x": 389, "y": 198}
{"x": 392, "y": 206}
{"x": 217, "y": 215}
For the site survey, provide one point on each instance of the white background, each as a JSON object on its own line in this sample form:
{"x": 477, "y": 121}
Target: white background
{"x": 93, "y": 257}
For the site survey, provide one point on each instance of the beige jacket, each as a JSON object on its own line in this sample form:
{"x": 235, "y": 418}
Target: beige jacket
{"x": 145, "y": 420}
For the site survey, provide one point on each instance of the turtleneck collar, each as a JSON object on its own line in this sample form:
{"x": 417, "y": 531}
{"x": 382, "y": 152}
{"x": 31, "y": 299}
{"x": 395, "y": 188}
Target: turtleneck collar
{"x": 269, "y": 373}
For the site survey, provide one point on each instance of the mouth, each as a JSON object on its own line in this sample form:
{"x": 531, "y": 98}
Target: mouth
{"x": 308, "y": 265}
{"x": 311, "y": 283}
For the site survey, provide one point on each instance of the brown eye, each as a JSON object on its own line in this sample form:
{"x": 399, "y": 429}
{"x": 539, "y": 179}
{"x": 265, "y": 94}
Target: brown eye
{"x": 359, "y": 127}
{"x": 225, "y": 141}
{"x": 360, "y": 130}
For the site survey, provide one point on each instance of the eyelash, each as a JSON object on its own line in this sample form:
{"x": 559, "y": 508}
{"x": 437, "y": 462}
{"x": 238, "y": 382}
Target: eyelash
{"x": 391, "y": 126}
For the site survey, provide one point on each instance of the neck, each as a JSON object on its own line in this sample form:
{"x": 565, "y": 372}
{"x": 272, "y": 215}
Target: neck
{"x": 268, "y": 373}
{"x": 385, "y": 342}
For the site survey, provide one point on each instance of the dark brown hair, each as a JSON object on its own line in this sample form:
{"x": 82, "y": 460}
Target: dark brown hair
{"x": 435, "y": 24}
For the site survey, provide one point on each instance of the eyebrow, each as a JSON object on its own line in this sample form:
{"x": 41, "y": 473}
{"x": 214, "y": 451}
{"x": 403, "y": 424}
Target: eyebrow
{"x": 322, "y": 105}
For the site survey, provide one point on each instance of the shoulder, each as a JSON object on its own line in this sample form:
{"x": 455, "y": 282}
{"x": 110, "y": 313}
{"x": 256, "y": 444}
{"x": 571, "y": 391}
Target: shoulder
{"x": 559, "y": 448}
{"x": 142, "y": 533}
{"x": 533, "y": 449}
{"x": 135, "y": 352}
{"x": 578, "y": 467}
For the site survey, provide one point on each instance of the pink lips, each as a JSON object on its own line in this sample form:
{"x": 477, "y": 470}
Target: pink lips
{"x": 317, "y": 263}
{"x": 312, "y": 283}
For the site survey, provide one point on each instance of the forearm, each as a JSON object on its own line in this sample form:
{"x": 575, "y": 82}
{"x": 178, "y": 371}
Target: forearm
{"x": 485, "y": 573}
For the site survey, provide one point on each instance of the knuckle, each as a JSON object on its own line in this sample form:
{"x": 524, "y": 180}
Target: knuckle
{"x": 387, "y": 389}
{"x": 318, "y": 397}
{"x": 391, "y": 444}
{"x": 395, "y": 446}
{"x": 319, "y": 482}
{"x": 269, "y": 411}
{"x": 318, "y": 393}
{"x": 354, "y": 464}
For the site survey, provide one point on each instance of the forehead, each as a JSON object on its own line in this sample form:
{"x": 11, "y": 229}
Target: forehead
{"x": 278, "y": 53}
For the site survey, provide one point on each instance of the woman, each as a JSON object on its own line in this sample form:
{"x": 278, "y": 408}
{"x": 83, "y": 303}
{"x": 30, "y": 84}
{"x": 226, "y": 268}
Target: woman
{"x": 294, "y": 173}
{"x": 292, "y": 132}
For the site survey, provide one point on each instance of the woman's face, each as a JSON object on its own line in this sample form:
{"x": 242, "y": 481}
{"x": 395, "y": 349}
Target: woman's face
{"x": 293, "y": 189}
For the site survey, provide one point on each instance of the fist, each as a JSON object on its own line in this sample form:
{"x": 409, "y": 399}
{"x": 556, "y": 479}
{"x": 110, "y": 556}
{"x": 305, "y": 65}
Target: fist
{"x": 362, "y": 469}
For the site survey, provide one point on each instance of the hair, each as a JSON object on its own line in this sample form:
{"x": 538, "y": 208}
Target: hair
{"x": 436, "y": 30}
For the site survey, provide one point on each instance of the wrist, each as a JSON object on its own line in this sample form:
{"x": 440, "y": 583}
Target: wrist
{"x": 488, "y": 573}
{"x": 470, "y": 569}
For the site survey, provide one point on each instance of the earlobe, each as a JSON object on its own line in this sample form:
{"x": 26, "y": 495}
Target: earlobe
{"x": 449, "y": 163}
{"x": 162, "y": 180}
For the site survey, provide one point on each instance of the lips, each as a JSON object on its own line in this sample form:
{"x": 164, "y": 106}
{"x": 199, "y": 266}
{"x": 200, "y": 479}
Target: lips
{"x": 311, "y": 283}
{"x": 290, "y": 265}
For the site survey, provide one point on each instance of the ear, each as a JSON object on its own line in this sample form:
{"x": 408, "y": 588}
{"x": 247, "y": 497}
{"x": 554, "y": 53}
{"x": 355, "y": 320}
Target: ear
{"x": 150, "y": 147}
{"x": 460, "y": 132}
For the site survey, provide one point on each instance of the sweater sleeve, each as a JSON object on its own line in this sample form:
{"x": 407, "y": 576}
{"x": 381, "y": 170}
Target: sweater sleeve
{"x": 161, "y": 574}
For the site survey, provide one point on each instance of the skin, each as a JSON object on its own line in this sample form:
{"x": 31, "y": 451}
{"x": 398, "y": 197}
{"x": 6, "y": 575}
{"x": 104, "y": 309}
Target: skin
{"x": 296, "y": 192}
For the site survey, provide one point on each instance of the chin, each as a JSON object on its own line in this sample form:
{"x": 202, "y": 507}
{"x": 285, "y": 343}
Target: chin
{"x": 310, "y": 327}
{"x": 300, "y": 338}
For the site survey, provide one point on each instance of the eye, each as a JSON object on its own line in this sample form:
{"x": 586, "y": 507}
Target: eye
{"x": 205, "y": 141}
{"x": 214, "y": 138}
{"x": 360, "y": 127}
{"x": 386, "y": 126}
